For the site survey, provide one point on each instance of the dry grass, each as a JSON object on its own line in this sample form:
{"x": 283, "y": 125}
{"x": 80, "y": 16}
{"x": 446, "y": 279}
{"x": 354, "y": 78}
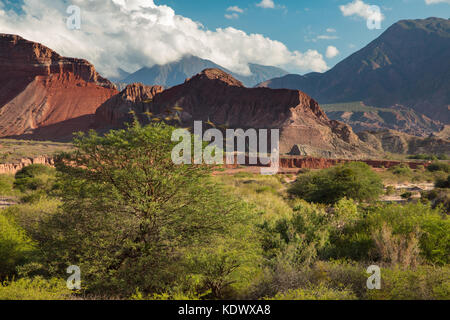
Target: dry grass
{"x": 12, "y": 151}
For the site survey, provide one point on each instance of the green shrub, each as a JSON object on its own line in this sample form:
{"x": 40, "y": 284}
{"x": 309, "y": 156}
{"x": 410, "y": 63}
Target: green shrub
{"x": 439, "y": 166}
{"x": 34, "y": 289}
{"x": 438, "y": 198}
{"x": 354, "y": 180}
{"x": 423, "y": 157}
{"x": 401, "y": 169}
{"x": 35, "y": 181}
{"x": 443, "y": 183}
{"x": 15, "y": 247}
{"x": 390, "y": 190}
{"x": 318, "y": 292}
{"x": 431, "y": 226}
{"x": 299, "y": 238}
{"x": 6, "y": 185}
{"x": 422, "y": 283}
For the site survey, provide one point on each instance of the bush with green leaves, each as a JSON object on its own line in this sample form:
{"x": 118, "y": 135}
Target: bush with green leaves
{"x": 6, "y": 185}
{"x": 401, "y": 169}
{"x": 439, "y": 166}
{"x": 34, "y": 177}
{"x": 431, "y": 227}
{"x": 355, "y": 180}
{"x": 132, "y": 219}
{"x": 35, "y": 181}
{"x": 428, "y": 157}
{"x": 16, "y": 248}
{"x": 421, "y": 283}
{"x": 34, "y": 289}
{"x": 443, "y": 183}
{"x": 317, "y": 292}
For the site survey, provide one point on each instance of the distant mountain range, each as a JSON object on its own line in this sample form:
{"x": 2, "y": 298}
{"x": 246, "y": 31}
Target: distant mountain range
{"x": 47, "y": 96}
{"x": 408, "y": 65}
{"x": 177, "y": 72}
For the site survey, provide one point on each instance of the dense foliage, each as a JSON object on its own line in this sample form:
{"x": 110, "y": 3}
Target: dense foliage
{"x": 352, "y": 180}
{"x": 141, "y": 227}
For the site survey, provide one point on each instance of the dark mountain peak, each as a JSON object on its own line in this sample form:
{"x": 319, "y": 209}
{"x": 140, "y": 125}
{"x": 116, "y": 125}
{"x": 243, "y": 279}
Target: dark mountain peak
{"x": 439, "y": 26}
{"x": 407, "y": 65}
{"x": 176, "y": 72}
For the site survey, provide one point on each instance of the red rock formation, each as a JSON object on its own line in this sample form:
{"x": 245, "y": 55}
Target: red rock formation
{"x": 115, "y": 111}
{"x": 216, "y": 96}
{"x": 12, "y": 168}
{"x": 45, "y": 95}
{"x": 324, "y": 163}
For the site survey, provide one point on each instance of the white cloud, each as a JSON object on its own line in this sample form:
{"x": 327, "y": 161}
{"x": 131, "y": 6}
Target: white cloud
{"x": 331, "y": 30}
{"x": 233, "y": 15}
{"x": 266, "y": 4}
{"x": 326, "y": 37}
{"x": 235, "y": 9}
{"x": 331, "y": 52}
{"x": 135, "y": 33}
{"x": 436, "y": 1}
{"x": 359, "y": 8}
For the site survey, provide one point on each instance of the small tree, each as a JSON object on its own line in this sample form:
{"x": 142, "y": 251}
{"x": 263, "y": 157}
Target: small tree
{"x": 354, "y": 180}
{"x": 130, "y": 216}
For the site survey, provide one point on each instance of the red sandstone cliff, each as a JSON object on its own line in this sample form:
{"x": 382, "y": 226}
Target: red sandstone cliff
{"x": 216, "y": 96}
{"x": 115, "y": 111}
{"x": 45, "y": 95}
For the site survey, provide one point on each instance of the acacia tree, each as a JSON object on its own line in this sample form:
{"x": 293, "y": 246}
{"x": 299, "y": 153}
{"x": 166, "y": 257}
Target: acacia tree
{"x": 130, "y": 216}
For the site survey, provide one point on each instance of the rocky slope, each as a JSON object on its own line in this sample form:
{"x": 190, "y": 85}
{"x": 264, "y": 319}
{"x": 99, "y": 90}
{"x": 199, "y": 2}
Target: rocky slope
{"x": 115, "y": 111}
{"x": 362, "y": 118}
{"x": 215, "y": 97}
{"x": 398, "y": 142}
{"x": 45, "y": 95}
{"x": 175, "y": 73}
{"x": 408, "y": 65}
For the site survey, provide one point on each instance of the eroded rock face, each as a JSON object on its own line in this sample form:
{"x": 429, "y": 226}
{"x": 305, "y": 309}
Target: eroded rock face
{"x": 216, "y": 97}
{"x": 13, "y": 168}
{"x": 399, "y": 142}
{"x": 136, "y": 97}
{"x": 43, "y": 94}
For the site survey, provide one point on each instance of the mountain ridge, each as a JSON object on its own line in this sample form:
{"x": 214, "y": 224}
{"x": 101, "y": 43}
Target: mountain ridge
{"x": 176, "y": 72}
{"x": 41, "y": 89}
{"x": 216, "y": 98}
{"x": 408, "y": 65}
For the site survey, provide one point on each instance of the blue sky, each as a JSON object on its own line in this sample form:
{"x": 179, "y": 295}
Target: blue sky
{"x": 298, "y": 35}
{"x": 297, "y": 23}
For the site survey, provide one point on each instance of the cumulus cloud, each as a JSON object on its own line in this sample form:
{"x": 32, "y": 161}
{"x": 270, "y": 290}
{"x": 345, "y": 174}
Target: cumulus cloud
{"x": 436, "y": 1}
{"x": 135, "y": 33}
{"x": 235, "y": 12}
{"x": 331, "y": 30}
{"x": 359, "y": 8}
{"x": 233, "y": 15}
{"x": 331, "y": 52}
{"x": 235, "y": 9}
{"x": 266, "y": 4}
